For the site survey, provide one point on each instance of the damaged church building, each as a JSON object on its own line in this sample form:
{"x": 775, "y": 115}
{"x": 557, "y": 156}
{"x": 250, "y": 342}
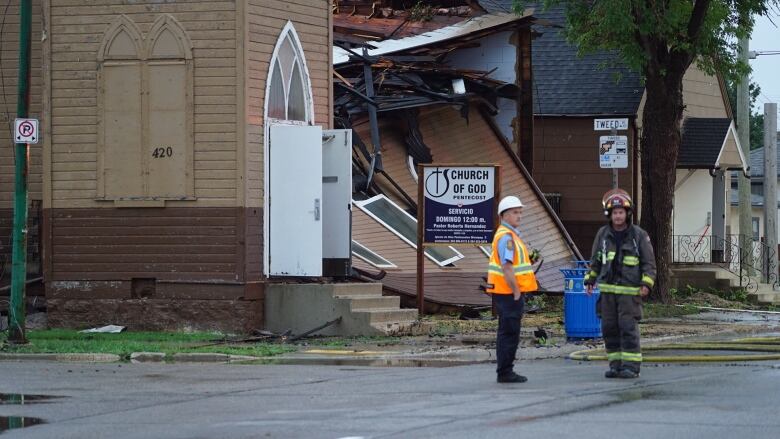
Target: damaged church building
{"x": 213, "y": 165}
{"x": 435, "y": 104}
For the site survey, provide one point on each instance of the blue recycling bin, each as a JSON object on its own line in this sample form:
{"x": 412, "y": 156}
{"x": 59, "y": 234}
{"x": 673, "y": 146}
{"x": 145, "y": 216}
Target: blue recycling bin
{"x": 579, "y": 316}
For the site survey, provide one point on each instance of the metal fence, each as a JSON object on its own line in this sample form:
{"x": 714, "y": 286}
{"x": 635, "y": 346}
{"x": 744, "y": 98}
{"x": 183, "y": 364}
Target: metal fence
{"x": 752, "y": 263}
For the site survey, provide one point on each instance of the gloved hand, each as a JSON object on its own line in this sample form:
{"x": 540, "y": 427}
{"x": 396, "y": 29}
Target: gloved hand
{"x": 534, "y": 256}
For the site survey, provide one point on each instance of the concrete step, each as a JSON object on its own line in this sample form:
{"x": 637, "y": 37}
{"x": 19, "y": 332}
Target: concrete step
{"x": 396, "y": 328}
{"x": 361, "y": 306}
{"x": 765, "y": 297}
{"x": 368, "y": 303}
{"x": 387, "y": 315}
{"x": 354, "y": 289}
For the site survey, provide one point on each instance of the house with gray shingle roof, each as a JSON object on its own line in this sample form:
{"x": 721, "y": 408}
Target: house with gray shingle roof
{"x": 709, "y": 149}
{"x": 570, "y": 91}
{"x": 756, "y": 194}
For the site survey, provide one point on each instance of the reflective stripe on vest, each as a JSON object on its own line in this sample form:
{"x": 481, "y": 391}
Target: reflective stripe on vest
{"x": 631, "y": 261}
{"x": 521, "y": 264}
{"x": 619, "y": 289}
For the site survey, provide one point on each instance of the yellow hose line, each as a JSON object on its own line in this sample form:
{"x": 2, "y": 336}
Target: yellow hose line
{"x": 745, "y": 344}
{"x": 580, "y": 356}
{"x": 757, "y": 340}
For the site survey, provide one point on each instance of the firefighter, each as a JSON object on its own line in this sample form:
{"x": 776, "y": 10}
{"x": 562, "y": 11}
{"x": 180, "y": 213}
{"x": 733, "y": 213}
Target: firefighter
{"x": 623, "y": 266}
{"x": 510, "y": 274}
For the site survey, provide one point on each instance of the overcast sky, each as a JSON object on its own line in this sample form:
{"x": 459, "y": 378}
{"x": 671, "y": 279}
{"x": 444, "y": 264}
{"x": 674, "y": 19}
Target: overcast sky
{"x": 766, "y": 69}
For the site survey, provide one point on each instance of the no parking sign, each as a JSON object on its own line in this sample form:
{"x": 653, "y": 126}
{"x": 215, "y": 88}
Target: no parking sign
{"x": 26, "y": 131}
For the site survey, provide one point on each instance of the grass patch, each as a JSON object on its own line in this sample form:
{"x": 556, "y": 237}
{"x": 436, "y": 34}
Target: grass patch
{"x": 341, "y": 342}
{"x": 660, "y": 310}
{"x": 125, "y": 343}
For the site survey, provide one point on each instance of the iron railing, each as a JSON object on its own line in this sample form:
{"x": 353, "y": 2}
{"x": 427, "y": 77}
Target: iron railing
{"x": 752, "y": 263}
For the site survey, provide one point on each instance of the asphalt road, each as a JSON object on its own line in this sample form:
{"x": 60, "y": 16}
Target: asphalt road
{"x": 563, "y": 399}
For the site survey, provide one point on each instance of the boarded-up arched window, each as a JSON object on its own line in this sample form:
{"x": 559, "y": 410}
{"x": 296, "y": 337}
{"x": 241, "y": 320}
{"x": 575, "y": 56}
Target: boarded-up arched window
{"x": 169, "y": 70}
{"x": 145, "y": 107}
{"x": 120, "y": 111}
{"x": 289, "y": 91}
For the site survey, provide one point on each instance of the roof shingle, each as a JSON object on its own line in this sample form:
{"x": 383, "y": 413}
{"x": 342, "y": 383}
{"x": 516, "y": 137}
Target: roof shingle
{"x": 568, "y": 84}
{"x": 702, "y": 140}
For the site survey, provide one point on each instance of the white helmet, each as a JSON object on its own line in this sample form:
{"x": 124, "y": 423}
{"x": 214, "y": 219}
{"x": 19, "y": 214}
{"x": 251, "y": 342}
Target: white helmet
{"x": 509, "y": 203}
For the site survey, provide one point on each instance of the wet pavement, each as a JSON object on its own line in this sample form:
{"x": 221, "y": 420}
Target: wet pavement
{"x": 563, "y": 399}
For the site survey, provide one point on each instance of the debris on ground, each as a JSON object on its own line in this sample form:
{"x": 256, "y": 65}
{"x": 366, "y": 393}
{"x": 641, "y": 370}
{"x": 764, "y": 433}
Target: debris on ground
{"x": 108, "y": 329}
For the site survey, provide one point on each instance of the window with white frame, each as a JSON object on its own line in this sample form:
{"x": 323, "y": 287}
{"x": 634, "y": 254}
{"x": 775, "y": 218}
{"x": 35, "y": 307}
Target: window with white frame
{"x": 404, "y": 226}
{"x": 288, "y": 90}
{"x": 369, "y": 256}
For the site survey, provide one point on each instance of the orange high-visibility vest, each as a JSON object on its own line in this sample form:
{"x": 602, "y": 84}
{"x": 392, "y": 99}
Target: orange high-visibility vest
{"x": 524, "y": 272}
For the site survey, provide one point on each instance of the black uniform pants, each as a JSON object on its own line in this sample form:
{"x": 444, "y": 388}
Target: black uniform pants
{"x": 620, "y": 315}
{"x": 510, "y": 311}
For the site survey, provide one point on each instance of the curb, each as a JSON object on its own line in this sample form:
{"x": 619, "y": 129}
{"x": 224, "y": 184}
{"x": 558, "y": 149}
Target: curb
{"x": 147, "y": 357}
{"x": 85, "y": 358}
{"x": 206, "y": 357}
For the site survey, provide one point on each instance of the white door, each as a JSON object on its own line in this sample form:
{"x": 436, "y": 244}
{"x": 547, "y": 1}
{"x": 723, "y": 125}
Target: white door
{"x": 295, "y": 200}
{"x": 337, "y": 194}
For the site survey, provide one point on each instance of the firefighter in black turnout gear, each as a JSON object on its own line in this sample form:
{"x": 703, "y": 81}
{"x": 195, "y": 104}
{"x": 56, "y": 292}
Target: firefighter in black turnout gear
{"x": 623, "y": 266}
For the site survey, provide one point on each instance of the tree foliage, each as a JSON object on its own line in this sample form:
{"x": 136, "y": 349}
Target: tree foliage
{"x": 652, "y": 36}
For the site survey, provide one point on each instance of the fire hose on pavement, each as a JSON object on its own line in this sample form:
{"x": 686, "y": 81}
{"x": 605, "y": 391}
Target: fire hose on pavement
{"x": 770, "y": 346}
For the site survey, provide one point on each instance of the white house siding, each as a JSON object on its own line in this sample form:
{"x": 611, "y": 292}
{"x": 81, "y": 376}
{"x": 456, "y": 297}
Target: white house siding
{"x": 693, "y": 203}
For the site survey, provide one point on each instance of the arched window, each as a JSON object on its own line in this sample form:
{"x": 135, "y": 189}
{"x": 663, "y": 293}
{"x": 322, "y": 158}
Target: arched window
{"x": 288, "y": 94}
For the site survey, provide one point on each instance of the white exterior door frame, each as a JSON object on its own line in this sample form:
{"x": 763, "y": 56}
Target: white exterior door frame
{"x": 288, "y": 30}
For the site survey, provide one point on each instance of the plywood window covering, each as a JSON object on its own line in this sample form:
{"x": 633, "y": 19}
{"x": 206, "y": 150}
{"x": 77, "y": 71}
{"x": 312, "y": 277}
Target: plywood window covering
{"x": 288, "y": 92}
{"x": 145, "y": 112}
{"x": 369, "y": 256}
{"x": 403, "y": 225}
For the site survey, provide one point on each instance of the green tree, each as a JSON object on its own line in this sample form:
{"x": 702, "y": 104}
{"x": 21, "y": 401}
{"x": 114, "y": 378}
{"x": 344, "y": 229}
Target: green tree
{"x": 660, "y": 39}
{"x": 756, "y": 118}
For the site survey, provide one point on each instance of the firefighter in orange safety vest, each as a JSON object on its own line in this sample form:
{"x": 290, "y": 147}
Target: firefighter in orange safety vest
{"x": 623, "y": 266}
{"x": 510, "y": 274}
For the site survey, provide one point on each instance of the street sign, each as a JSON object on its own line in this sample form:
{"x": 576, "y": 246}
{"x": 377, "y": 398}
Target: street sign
{"x": 610, "y": 124}
{"x": 613, "y": 152}
{"x": 459, "y": 204}
{"x": 26, "y": 131}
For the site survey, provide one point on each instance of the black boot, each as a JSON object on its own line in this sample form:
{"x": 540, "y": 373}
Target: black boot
{"x": 511, "y": 378}
{"x": 628, "y": 373}
{"x": 614, "y": 369}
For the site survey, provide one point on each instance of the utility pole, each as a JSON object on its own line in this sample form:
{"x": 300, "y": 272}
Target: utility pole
{"x": 743, "y": 130}
{"x": 770, "y": 190}
{"x": 16, "y": 310}
{"x": 613, "y": 132}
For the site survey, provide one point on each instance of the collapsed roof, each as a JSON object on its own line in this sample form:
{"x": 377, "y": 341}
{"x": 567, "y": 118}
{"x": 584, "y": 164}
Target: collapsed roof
{"x": 407, "y": 105}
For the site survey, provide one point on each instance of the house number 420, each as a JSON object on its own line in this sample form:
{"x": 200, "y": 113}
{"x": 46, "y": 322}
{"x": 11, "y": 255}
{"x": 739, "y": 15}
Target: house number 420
{"x": 161, "y": 153}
